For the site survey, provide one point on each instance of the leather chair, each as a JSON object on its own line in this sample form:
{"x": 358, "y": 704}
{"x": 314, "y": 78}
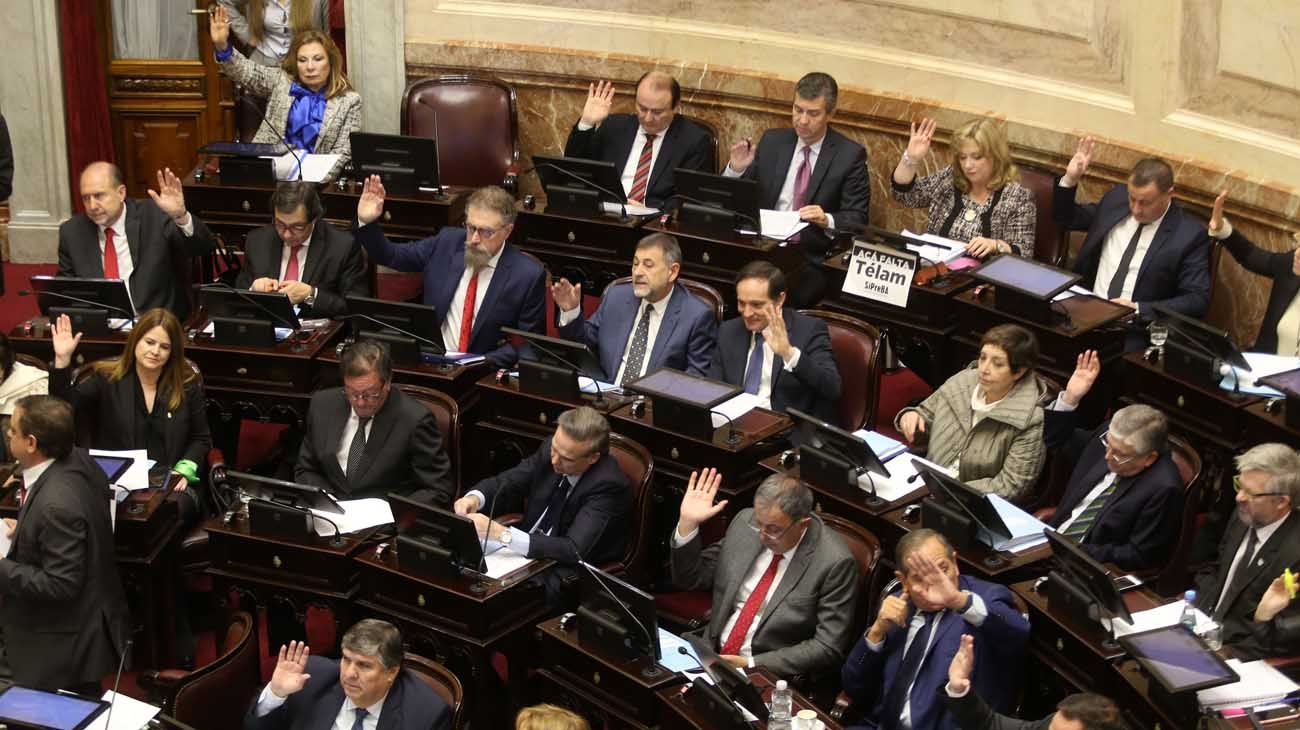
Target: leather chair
{"x": 857, "y": 348}
{"x": 713, "y": 141}
{"x": 440, "y": 680}
{"x": 31, "y": 360}
{"x": 1051, "y": 243}
{"x": 215, "y": 696}
{"x": 702, "y": 291}
{"x": 446, "y": 412}
{"x": 638, "y": 467}
{"x": 866, "y": 549}
{"x": 475, "y": 121}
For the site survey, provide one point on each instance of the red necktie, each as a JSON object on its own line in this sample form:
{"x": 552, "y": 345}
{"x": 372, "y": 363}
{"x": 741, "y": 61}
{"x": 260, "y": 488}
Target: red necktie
{"x": 642, "y": 177}
{"x": 736, "y": 639}
{"x": 801, "y": 178}
{"x": 291, "y": 269}
{"x": 110, "y": 256}
{"x": 467, "y": 314}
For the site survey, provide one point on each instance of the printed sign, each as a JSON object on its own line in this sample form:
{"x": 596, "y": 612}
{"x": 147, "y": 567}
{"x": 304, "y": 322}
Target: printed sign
{"x": 880, "y": 274}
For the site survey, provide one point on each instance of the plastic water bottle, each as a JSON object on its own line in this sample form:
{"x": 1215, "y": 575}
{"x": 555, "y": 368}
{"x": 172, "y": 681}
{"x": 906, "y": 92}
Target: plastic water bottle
{"x": 1189, "y": 611}
{"x": 779, "y": 715}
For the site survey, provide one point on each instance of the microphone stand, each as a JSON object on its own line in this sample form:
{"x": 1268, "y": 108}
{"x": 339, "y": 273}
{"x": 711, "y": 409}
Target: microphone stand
{"x": 283, "y": 138}
{"x": 622, "y": 216}
{"x": 668, "y": 207}
{"x": 732, "y": 437}
{"x": 599, "y": 401}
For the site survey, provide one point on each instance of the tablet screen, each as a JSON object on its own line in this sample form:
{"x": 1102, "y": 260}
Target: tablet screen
{"x": 47, "y": 709}
{"x": 1178, "y": 659}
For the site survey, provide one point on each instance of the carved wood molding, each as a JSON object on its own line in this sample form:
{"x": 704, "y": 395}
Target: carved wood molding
{"x": 156, "y": 85}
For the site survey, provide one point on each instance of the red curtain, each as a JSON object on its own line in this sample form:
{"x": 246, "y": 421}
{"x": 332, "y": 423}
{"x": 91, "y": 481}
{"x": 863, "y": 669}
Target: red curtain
{"x": 85, "y": 94}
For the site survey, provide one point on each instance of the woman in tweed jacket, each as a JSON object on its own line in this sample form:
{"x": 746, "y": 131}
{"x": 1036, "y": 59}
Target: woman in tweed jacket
{"x": 986, "y": 422}
{"x": 977, "y": 198}
{"x": 308, "y": 97}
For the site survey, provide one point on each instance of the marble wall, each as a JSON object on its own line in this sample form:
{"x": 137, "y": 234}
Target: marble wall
{"x": 1210, "y": 85}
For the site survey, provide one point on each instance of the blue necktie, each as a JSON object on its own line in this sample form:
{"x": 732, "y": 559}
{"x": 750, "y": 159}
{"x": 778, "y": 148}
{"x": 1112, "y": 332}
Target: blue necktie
{"x": 754, "y": 370}
{"x": 357, "y": 724}
{"x": 892, "y": 709}
{"x": 554, "y": 506}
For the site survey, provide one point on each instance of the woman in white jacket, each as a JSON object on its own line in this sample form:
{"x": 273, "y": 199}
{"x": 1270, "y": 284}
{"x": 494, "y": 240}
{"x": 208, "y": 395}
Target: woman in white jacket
{"x": 16, "y": 380}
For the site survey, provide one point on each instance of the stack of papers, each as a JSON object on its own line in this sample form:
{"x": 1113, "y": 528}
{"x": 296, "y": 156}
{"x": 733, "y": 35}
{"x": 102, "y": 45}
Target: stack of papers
{"x": 1074, "y": 291}
{"x": 1158, "y": 618}
{"x": 315, "y": 168}
{"x": 1262, "y": 365}
{"x": 1026, "y": 530}
{"x": 358, "y": 514}
{"x": 896, "y": 486}
{"x": 128, "y": 713}
{"x": 935, "y": 248}
{"x": 885, "y": 447}
{"x": 733, "y": 409}
{"x": 590, "y": 385}
{"x": 504, "y": 561}
{"x": 137, "y": 475}
{"x": 455, "y": 358}
{"x": 632, "y": 208}
{"x": 1259, "y": 683}
{"x": 777, "y": 224}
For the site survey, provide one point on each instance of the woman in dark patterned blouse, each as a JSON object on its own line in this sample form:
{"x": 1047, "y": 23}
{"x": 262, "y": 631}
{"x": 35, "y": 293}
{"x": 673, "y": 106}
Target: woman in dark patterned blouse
{"x": 977, "y": 198}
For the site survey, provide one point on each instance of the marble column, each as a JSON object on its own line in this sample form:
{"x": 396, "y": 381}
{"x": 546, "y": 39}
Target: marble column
{"x": 376, "y": 32}
{"x": 31, "y": 99}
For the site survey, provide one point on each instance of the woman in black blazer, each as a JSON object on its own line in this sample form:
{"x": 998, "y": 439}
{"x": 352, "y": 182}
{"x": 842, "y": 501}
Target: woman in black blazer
{"x": 147, "y": 398}
{"x": 1278, "y": 333}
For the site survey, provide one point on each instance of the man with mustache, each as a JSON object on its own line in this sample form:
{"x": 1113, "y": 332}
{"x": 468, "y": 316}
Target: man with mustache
{"x": 477, "y": 282}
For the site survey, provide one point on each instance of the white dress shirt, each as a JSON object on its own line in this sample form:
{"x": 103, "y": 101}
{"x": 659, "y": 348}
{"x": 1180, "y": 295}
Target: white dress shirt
{"x": 634, "y": 156}
{"x": 765, "y": 380}
{"x": 268, "y": 701}
{"x": 1079, "y": 508}
{"x": 785, "y": 199}
{"x": 656, "y": 317}
{"x": 519, "y": 539}
{"x": 1262, "y": 535}
{"x": 1112, "y": 250}
{"x": 349, "y": 431}
{"x": 451, "y": 322}
{"x": 302, "y": 259}
{"x": 276, "y": 33}
{"x": 33, "y": 473}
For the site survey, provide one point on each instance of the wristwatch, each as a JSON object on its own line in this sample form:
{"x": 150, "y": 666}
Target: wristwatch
{"x": 505, "y": 537}
{"x": 311, "y": 298}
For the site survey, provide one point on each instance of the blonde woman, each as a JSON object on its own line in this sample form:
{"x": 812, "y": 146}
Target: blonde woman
{"x": 267, "y": 27}
{"x": 549, "y": 717}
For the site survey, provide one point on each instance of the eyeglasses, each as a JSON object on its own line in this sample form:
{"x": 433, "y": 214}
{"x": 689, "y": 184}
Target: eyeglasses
{"x": 1237, "y": 487}
{"x": 294, "y": 228}
{"x": 769, "y": 531}
{"x": 369, "y": 396}
{"x": 471, "y": 230}
{"x": 1105, "y": 443}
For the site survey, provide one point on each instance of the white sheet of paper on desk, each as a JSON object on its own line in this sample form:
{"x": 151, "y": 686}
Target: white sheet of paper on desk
{"x": 896, "y": 485}
{"x": 1262, "y": 365}
{"x": 1026, "y": 529}
{"x": 1159, "y": 618}
{"x": 358, "y": 514}
{"x": 935, "y": 248}
{"x": 504, "y": 561}
{"x": 632, "y": 208}
{"x": 779, "y": 224}
{"x": 672, "y": 659}
{"x": 128, "y": 713}
{"x": 281, "y": 333}
{"x": 588, "y": 385}
{"x": 885, "y": 447}
{"x": 135, "y": 477}
{"x": 119, "y": 324}
{"x": 314, "y": 167}
{"x": 1074, "y": 291}
{"x": 733, "y": 408}
{"x": 1259, "y": 683}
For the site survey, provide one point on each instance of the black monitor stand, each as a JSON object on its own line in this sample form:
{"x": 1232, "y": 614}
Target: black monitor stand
{"x": 685, "y": 418}
{"x": 553, "y": 381}
{"x": 1024, "y": 305}
{"x": 1067, "y": 597}
{"x": 241, "y": 332}
{"x": 706, "y": 220}
{"x": 957, "y": 526}
{"x": 1191, "y": 364}
{"x": 573, "y": 200}
{"x": 273, "y": 519}
{"x": 89, "y": 321}
{"x": 404, "y": 350}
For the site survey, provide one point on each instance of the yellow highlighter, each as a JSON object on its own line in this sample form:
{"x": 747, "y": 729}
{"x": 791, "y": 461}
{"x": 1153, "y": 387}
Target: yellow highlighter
{"x": 1289, "y": 580}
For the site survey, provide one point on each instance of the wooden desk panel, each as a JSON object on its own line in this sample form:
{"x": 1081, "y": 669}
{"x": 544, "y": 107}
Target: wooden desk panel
{"x": 680, "y": 714}
{"x": 286, "y": 366}
{"x": 1263, "y": 425}
{"x": 1206, "y": 412}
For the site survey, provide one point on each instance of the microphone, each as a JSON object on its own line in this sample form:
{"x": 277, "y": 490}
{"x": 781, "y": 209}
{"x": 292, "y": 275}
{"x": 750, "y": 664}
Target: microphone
{"x": 622, "y": 216}
{"x": 599, "y": 401}
{"x": 758, "y": 227}
{"x": 492, "y": 510}
{"x": 653, "y": 670}
{"x": 121, "y": 664}
{"x": 239, "y": 293}
{"x": 732, "y": 437}
{"x": 395, "y": 328}
{"x": 79, "y": 300}
{"x": 686, "y": 653}
{"x": 298, "y": 167}
{"x": 335, "y": 541}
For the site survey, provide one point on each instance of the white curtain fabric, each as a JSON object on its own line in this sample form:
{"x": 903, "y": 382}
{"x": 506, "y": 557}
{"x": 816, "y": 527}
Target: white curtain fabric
{"x": 153, "y": 29}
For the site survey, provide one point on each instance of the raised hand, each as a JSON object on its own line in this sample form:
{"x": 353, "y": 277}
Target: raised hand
{"x": 371, "y": 203}
{"x": 1079, "y": 163}
{"x": 697, "y": 504}
{"x": 937, "y": 588}
{"x": 1216, "y": 216}
{"x": 568, "y": 297}
{"x": 912, "y": 424}
{"x": 291, "y": 669}
{"x": 776, "y": 335}
{"x": 1087, "y": 366}
{"x": 600, "y": 96}
{"x": 170, "y": 196}
{"x": 742, "y": 155}
{"x": 918, "y": 144}
{"x": 219, "y": 27}
{"x": 65, "y": 342}
{"x": 961, "y": 666}
{"x": 893, "y": 614}
{"x": 1276, "y": 598}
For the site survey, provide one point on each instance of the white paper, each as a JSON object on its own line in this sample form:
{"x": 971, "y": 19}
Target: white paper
{"x": 1074, "y": 291}
{"x": 128, "y": 713}
{"x": 1262, "y": 365}
{"x": 670, "y": 646}
{"x": 880, "y": 273}
{"x": 733, "y": 408}
{"x": 885, "y": 447}
{"x": 935, "y": 248}
{"x": 315, "y": 168}
{"x": 358, "y": 514}
{"x": 896, "y": 485}
{"x": 135, "y": 477}
{"x": 588, "y": 385}
{"x": 504, "y": 561}
{"x": 632, "y": 208}
{"x": 1026, "y": 530}
{"x": 119, "y": 324}
{"x": 281, "y": 333}
{"x": 776, "y": 224}
{"x": 1259, "y": 683}
{"x": 1158, "y": 618}
{"x": 5, "y": 541}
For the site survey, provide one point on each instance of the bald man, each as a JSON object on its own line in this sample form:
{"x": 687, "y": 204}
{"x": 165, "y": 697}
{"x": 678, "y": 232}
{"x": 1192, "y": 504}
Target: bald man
{"x": 647, "y": 146}
{"x": 152, "y": 241}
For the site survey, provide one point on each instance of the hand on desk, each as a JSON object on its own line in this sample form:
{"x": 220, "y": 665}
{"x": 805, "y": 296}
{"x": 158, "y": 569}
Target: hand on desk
{"x": 65, "y": 342}
{"x": 568, "y": 297}
{"x": 371, "y": 203}
{"x": 697, "y": 504}
{"x": 1086, "y": 369}
{"x": 912, "y": 423}
{"x": 485, "y": 527}
{"x": 979, "y": 247}
{"x": 1125, "y": 303}
{"x": 290, "y": 670}
{"x": 961, "y": 666}
{"x": 265, "y": 284}
{"x": 466, "y": 505}
{"x": 181, "y": 484}
{"x": 815, "y": 215}
{"x": 297, "y": 291}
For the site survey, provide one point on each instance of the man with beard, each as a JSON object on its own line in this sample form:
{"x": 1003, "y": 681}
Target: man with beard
{"x": 1255, "y": 549}
{"x": 475, "y": 280}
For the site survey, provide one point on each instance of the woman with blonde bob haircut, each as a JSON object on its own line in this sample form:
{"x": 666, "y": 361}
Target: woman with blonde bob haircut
{"x": 549, "y": 717}
{"x": 310, "y": 103}
{"x": 977, "y": 198}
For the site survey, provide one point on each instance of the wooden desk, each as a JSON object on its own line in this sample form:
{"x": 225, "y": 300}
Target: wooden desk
{"x": 33, "y": 338}
{"x": 680, "y": 714}
{"x": 845, "y": 501}
{"x": 1263, "y": 425}
{"x": 457, "y": 381}
{"x": 1206, "y": 412}
{"x": 285, "y": 366}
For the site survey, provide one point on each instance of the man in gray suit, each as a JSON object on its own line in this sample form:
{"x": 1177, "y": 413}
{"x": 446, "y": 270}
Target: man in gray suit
{"x": 784, "y": 585}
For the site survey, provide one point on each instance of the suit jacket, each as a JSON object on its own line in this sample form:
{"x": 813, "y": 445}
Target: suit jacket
{"x": 515, "y": 298}
{"x": 1139, "y": 524}
{"x": 973, "y": 713}
{"x": 158, "y": 251}
{"x": 685, "y": 144}
{"x": 1286, "y": 284}
{"x": 62, "y": 607}
{"x": 808, "y": 622}
{"x": 1000, "y": 644}
{"x": 403, "y": 453}
{"x": 1280, "y": 552}
{"x": 334, "y": 266}
{"x": 1176, "y": 269}
{"x": 688, "y": 331}
{"x": 840, "y": 183}
{"x": 410, "y": 705}
{"x": 812, "y": 387}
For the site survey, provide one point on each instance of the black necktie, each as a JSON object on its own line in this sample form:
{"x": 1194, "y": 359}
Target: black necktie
{"x": 1239, "y": 577}
{"x": 554, "y": 506}
{"x": 892, "y": 710}
{"x": 640, "y": 341}
{"x": 359, "y": 723}
{"x": 358, "y": 448}
{"x": 1125, "y": 261}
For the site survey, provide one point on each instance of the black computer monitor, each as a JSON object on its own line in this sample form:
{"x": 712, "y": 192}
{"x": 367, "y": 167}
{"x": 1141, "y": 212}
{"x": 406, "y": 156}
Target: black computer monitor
{"x": 34, "y": 708}
{"x": 89, "y": 303}
{"x": 242, "y": 317}
{"x": 735, "y": 685}
{"x": 114, "y": 466}
{"x": 831, "y": 457}
{"x": 1196, "y": 346}
{"x": 701, "y": 191}
{"x": 616, "y": 615}
{"x": 406, "y": 164}
{"x": 433, "y": 541}
{"x": 1085, "y": 573}
{"x": 575, "y": 185}
{"x": 683, "y": 403}
{"x": 974, "y": 505}
{"x": 397, "y": 322}
{"x": 551, "y": 366}
{"x": 1024, "y": 287}
{"x": 293, "y": 494}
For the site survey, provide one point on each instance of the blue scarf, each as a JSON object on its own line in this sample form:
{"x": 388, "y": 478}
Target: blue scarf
{"x": 305, "y": 116}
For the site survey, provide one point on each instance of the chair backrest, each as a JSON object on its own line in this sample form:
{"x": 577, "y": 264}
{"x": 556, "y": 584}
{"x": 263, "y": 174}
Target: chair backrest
{"x": 440, "y": 680}
{"x": 31, "y": 360}
{"x": 1050, "y": 243}
{"x": 638, "y": 466}
{"x": 713, "y": 141}
{"x": 217, "y": 695}
{"x": 1173, "y": 576}
{"x": 475, "y": 121}
{"x": 446, "y": 413}
{"x": 857, "y": 349}
{"x": 702, "y": 292}
{"x": 866, "y": 550}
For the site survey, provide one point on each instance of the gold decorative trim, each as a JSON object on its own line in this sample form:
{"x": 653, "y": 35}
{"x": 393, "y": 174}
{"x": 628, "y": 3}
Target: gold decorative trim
{"x": 154, "y": 85}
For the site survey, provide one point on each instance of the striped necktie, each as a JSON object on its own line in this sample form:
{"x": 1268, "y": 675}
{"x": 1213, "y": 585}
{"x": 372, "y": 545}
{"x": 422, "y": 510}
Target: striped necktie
{"x": 642, "y": 177}
{"x": 1080, "y": 526}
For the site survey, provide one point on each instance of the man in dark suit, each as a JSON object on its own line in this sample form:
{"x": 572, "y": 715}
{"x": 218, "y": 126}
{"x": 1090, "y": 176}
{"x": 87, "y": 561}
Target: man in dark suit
{"x": 812, "y": 169}
{"x": 898, "y": 668}
{"x": 1142, "y": 248}
{"x": 367, "y": 439}
{"x": 313, "y": 263}
{"x": 152, "y": 241}
{"x": 1124, "y": 501}
{"x": 648, "y": 323}
{"x": 1263, "y": 541}
{"x": 645, "y": 147}
{"x": 63, "y": 613}
{"x": 576, "y": 501}
{"x": 367, "y": 689}
{"x": 776, "y": 353}
{"x": 1081, "y": 711}
{"x": 477, "y": 282}
{"x": 784, "y": 584}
